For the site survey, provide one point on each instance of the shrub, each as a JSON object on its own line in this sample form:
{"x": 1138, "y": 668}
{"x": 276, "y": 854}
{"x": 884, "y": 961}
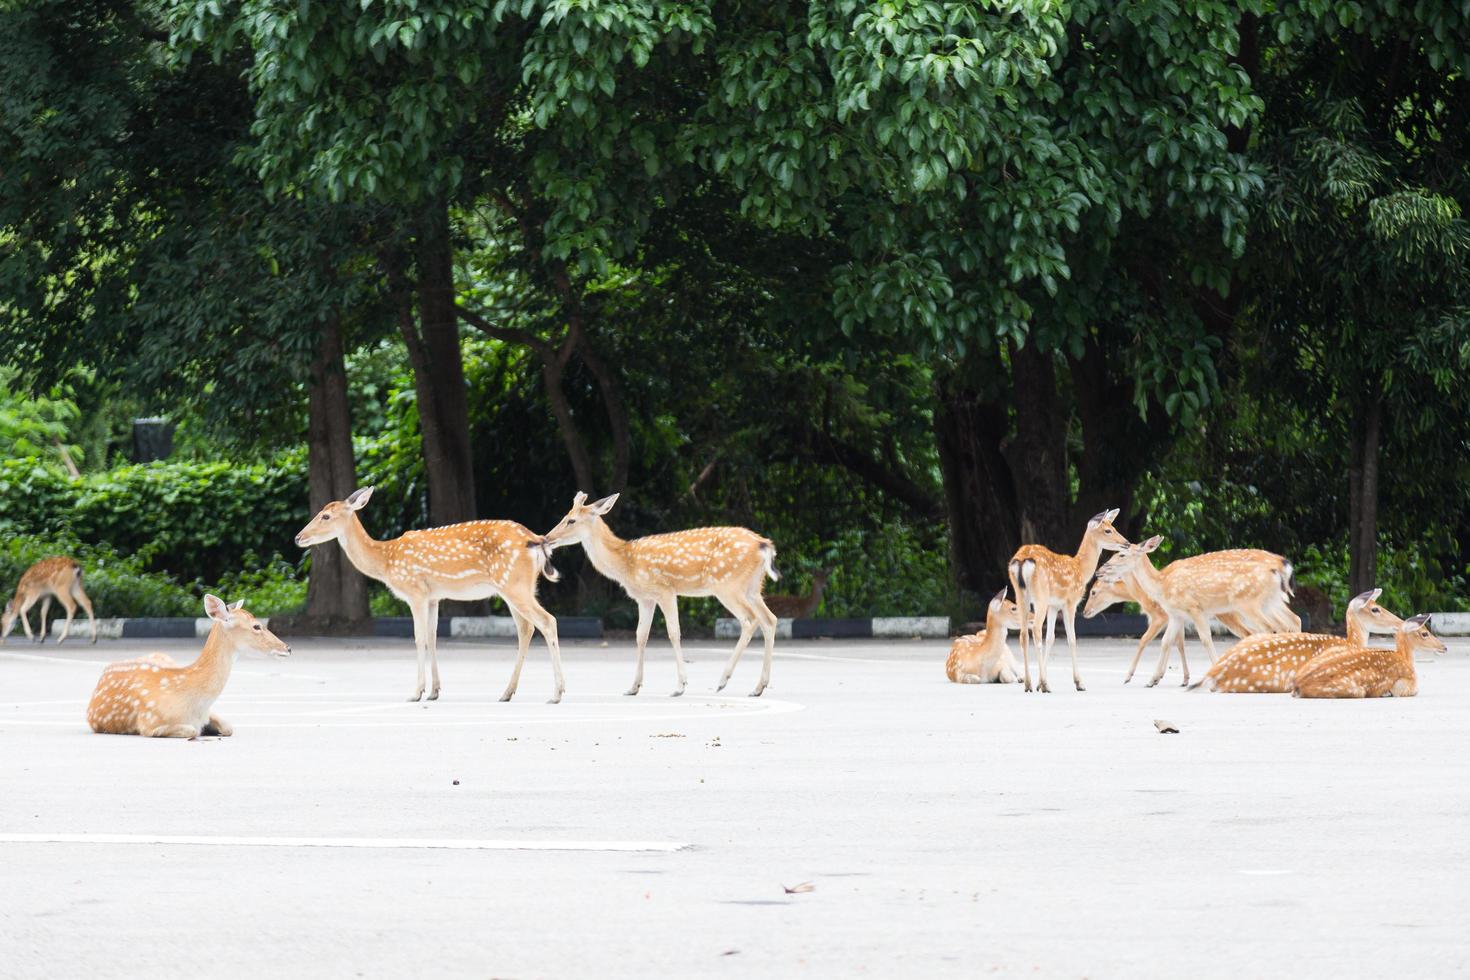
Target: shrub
{"x": 117, "y": 584}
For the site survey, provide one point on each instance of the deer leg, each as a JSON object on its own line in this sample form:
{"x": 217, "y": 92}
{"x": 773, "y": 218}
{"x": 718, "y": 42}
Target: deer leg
{"x": 217, "y": 726}
{"x": 1045, "y": 655}
{"x": 767, "y": 621}
{"x": 524, "y": 632}
{"x": 1183, "y": 663}
{"x": 1154, "y": 626}
{"x": 45, "y": 609}
{"x": 1202, "y": 627}
{"x": 420, "y": 610}
{"x": 86, "y": 604}
{"x": 431, "y": 640}
{"x": 670, "y": 606}
{"x": 170, "y": 731}
{"x": 70, "y": 605}
{"x": 1023, "y": 603}
{"x": 525, "y": 602}
{"x": 1069, "y": 616}
{"x": 747, "y": 617}
{"x": 25, "y": 619}
{"x": 645, "y": 625}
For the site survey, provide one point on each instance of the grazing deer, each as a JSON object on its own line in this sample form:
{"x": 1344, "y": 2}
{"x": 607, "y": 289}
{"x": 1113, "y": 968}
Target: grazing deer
{"x": 1249, "y": 583}
{"x": 798, "y": 606}
{"x": 1047, "y": 583}
{"x": 1109, "y": 592}
{"x": 985, "y": 657}
{"x": 1368, "y": 672}
{"x": 473, "y": 560}
{"x": 729, "y": 563}
{"x": 59, "y": 577}
{"x": 156, "y": 697}
{"x": 1268, "y": 664}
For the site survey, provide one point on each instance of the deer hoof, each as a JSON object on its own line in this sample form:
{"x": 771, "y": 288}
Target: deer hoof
{"x": 507, "y": 696}
{"x": 1081, "y": 686}
{"x": 631, "y": 692}
{"x": 416, "y": 696}
{"x": 433, "y": 695}
{"x": 1152, "y": 682}
{"x": 677, "y": 694}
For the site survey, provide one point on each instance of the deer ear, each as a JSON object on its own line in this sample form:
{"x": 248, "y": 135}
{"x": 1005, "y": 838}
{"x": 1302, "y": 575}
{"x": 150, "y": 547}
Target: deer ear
{"x": 357, "y": 498}
{"x": 238, "y": 603}
{"x": 604, "y": 505}
{"x": 579, "y": 499}
{"x": 1363, "y": 598}
{"x": 1151, "y": 544}
{"x": 216, "y": 609}
{"x": 1111, "y": 516}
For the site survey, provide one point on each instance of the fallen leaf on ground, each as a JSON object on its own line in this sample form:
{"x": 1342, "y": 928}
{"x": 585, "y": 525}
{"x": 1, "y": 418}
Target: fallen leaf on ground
{"x": 801, "y": 889}
{"x": 1164, "y": 727}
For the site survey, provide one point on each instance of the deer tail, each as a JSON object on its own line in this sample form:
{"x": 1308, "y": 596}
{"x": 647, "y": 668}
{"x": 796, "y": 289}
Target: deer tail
{"x": 541, "y": 557}
{"x": 768, "y": 557}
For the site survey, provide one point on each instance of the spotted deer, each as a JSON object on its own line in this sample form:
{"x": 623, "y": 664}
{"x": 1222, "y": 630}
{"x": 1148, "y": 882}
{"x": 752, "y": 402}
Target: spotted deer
{"x": 1368, "y": 672}
{"x": 59, "y": 577}
{"x": 1252, "y": 584}
{"x": 1268, "y": 664}
{"x": 473, "y": 560}
{"x": 729, "y": 563}
{"x": 985, "y": 657}
{"x": 154, "y": 696}
{"x": 800, "y": 606}
{"x": 1047, "y": 583}
{"x": 1109, "y": 592}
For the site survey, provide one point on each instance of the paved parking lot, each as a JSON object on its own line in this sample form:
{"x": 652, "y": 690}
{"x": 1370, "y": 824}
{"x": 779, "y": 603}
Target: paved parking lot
{"x": 944, "y": 829}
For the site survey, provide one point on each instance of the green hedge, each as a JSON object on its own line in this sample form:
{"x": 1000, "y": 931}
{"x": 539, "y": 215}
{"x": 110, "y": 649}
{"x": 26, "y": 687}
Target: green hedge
{"x": 117, "y": 585}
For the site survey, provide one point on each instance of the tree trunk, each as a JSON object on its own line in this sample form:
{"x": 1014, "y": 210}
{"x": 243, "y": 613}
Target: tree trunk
{"x": 1363, "y": 499}
{"x": 337, "y": 594}
{"x": 1038, "y": 454}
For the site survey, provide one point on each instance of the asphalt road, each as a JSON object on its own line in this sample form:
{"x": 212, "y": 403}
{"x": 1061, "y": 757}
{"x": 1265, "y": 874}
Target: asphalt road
{"x": 945, "y": 830}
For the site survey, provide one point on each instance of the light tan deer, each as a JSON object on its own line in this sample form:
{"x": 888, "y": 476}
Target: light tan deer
{"x": 1367, "y": 672}
{"x": 1252, "y": 584}
{"x": 800, "y": 606}
{"x": 1047, "y": 583}
{"x": 59, "y": 577}
{"x": 473, "y": 560}
{"x": 729, "y": 563}
{"x": 1109, "y": 592}
{"x": 1268, "y": 664}
{"x": 985, "y": 657}
{"x": 156, "y": 697}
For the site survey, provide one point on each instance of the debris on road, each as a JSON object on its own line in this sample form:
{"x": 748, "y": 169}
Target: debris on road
{"x": 1165, "y": 728}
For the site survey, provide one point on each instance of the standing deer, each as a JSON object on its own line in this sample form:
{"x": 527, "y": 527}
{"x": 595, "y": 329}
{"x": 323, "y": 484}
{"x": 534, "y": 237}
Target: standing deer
{"x": 473, "y": 560}
{"x": 1367, "y": 672}
{"x": 1268, "y": 664}
{"x": 1110, "y": 591}
{"x": 800, "y": 606}
{"x": 1249, "y": 583}
{"x": 985, "y": 657}
{"x": 59, "y": 577}
{"x": 154, "y": 696}
{"x": 1047, "y": 583}
{"x": 729, "y": 563}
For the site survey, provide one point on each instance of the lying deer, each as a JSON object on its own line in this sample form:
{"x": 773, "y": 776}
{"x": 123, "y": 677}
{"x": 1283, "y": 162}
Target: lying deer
{"x": 1249, "y": 583}
{"x": 729, "y": 563}
{"x": 1047, "y": 583}
{"x": 473, "y": 560}
{"x": 1367, "y": 672}
{"x": 59, "y": 577}
{"x": 985, "y": 657}
{"x": 156, "y": 697}
{"x": 1268, "y": 664}
{"x": 797, "y": 606}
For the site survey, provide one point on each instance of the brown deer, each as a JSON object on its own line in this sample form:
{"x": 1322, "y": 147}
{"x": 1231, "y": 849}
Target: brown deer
{"x": 798, "y": 606}
{"x": 154, "y": 696}
{"x": 59, "y": 577}
{"x": 729, "y": 563}
{"x": 473, "y": 560}
{"x": 1047, "y": 583}
{"x": 1367, "y": 672}
{"x": 985, "y": 657}
{"x": 1249, "y": 583}
{"x": 1268, "y": 664}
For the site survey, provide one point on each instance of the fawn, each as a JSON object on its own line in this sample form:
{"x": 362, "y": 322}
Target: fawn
{"x": 985, "y": 657}
{"x": 800, "y": 606}
{"x": 154, "y": 696}
{"x": 59, "y": 577}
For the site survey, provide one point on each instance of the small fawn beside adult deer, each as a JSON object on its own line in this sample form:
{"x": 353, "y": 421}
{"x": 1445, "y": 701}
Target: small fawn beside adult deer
{"x": 154, "y": 696}
{"x": 985, "y": 657}
{"x": 729, "y": 563}
{"x": 60, "y": 577}
{"x": 473, "y": 560}
{"x": 1368, "y": 672}
{"x": 800, "y": 606}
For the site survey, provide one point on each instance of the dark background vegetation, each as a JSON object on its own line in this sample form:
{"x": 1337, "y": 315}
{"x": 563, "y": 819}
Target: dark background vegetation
{"x": 900, "y": 285}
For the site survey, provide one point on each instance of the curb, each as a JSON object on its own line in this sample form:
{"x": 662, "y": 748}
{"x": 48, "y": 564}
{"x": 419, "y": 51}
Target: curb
{"x": 930, "y": 627}
{"x": 176, "y": 627}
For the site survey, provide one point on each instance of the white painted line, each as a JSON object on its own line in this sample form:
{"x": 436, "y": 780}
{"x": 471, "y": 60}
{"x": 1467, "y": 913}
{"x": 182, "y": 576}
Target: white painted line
{"x": 238, "y": 671}
{"x": 847, "y": 660}
{"x": 378, "y": 843}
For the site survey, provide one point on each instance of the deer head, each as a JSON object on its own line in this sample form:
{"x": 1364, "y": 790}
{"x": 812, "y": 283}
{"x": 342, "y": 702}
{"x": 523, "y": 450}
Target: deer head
{"x": 332, "y": 519}
{"x": 579, "y": 522}
{"x": 1366, "y": 608}
{"x": 1107, "y": 591}
{"x": 1100, "y": 530}
{"x": 1002, "y": 613}
{"x": 1126, "y": 560}
{"x": 1415, "y": 633}
{"x": 243, "y": 630}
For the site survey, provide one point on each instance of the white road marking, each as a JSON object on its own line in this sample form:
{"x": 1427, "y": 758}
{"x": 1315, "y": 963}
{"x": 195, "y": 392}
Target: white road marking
{"x": 379, "y": 843}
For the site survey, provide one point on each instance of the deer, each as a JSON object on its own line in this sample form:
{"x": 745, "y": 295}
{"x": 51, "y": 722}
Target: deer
{"x": 797, "y": 606}
{"x": 1268, "y": 664}
{"x": 985, "y": 657}
{"x": 1047, "y": 583}
{"x": 1109, "y": 592}
{"x": 60, "y": 577}
{"x": 729, "y": 563}
{"x": 472, "y": 560}
{"x": 1253, "y": 584}
{"x": 1369, "y": 672}
{"x": 155, "y": 697}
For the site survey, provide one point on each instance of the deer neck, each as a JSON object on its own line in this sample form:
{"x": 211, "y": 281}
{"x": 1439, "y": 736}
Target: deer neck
{"x": 1148, "y": 580}
{"x": 208, "y": 674}
{"x": 362, "y": 549}
{"x": 1088, "y": 555}
{"x": 1405, "y": 648}
{"x": 1356, "y": 635}
{"x": 607, "y": 552}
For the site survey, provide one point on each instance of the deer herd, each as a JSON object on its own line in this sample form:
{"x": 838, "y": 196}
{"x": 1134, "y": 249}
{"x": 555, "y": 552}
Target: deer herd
{"x": 1247, "y": 590}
